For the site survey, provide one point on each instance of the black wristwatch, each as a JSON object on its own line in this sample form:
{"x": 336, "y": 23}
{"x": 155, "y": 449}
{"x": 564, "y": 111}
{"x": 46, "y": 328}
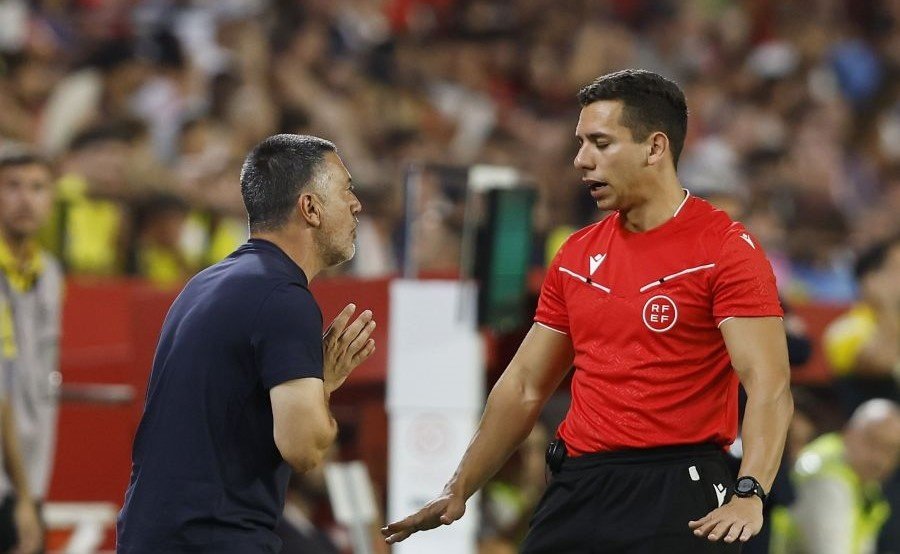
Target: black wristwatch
{"x": 747, "y": 486}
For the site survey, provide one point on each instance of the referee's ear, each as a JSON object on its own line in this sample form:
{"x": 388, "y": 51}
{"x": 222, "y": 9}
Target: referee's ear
{"x": 309, "y": 206}
{"x": 657, "y": 146}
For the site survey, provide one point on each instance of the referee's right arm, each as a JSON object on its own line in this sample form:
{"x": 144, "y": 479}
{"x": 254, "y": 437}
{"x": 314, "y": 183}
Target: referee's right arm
{"x": 512, "y": 408}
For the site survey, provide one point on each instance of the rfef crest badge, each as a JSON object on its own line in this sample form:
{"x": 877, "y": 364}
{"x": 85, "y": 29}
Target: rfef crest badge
{"x": 660, "y": 313}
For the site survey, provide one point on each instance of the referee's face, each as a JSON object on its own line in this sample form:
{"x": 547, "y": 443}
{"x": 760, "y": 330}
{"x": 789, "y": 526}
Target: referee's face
{"x": 609, "y": 159}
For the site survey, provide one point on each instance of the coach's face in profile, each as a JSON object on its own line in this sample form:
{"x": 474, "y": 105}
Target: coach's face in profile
{"x": 338, "y": 206}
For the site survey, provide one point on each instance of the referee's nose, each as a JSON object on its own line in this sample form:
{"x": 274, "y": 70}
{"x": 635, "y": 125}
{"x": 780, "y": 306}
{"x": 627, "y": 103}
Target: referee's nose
{"x": 583, "y": 159}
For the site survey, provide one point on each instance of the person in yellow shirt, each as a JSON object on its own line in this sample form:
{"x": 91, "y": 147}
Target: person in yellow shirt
{"x": 157, "y": 253}
{"x": 863, "y": 345}
{"x": 89, "y": 226}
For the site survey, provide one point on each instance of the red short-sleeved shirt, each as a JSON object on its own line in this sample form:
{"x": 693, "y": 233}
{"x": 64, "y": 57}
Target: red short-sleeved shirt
{"x": 643, "y": 311}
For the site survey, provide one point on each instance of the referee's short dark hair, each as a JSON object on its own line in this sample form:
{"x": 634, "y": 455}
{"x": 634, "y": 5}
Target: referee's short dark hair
{"x": 274, "y": 174}
{"x": 651, "y": 103}
{"x": 872, "y": 258}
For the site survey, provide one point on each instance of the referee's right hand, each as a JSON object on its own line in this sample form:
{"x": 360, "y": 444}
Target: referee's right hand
{"x": 443, "y": 510}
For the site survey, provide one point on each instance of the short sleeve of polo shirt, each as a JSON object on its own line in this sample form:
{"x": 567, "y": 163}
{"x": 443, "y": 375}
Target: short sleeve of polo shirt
{"x": 287, "y": 336}
{"x": 743, "y": 280}
{"x": 551, "y": 310}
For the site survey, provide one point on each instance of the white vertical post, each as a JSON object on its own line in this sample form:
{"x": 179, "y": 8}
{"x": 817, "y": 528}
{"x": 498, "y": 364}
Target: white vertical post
{"x": 435, "y": 395}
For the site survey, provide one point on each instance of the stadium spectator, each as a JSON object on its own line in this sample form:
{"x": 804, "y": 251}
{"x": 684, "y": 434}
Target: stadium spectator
{"x": 510, "y": 498}
{"x": 299, "y": 528}
{"x": 31, "y": 290}
{"x": 158, "y": 254}
{"x": 863, "y": 345}
{"x": 840, "y": 506}
{"x": 90, "y": 223}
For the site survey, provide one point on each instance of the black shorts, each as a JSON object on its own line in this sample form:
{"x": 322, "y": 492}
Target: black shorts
{"x": 634, "y": 502}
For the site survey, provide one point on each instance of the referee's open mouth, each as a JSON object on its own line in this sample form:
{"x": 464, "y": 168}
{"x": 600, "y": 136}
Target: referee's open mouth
{"x": 595, "y": 187}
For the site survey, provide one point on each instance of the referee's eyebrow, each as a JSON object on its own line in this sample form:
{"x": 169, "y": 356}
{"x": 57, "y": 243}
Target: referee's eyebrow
{"x": 598, "y": 135}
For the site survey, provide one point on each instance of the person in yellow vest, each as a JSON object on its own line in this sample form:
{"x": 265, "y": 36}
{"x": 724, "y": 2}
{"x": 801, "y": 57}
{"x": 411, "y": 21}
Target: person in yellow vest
{"x": 840, "y": 507}
{"x": 89, "y": 226}
{"x": 157, "y": 253}
{"x": 863, "y": 345}
{"x": 30, "y": 305}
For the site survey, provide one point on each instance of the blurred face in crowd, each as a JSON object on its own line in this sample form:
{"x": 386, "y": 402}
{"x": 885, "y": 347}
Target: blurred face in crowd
{"x": 891, "y": 268}
{"x": 105, "y": 165}
{"x": 339, "y": 208}
{"x": 884, "y": 283}
{"x": 610, "y": 161}
{"x": 873, "y": 447}
{"x": 26, "y": 198}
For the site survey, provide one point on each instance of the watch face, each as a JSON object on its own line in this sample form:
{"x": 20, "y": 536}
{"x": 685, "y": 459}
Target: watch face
{"x": 744, "y": 486}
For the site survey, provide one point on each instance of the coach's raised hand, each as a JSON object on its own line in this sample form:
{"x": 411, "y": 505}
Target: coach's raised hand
{"x": 346, "y": 345}
{"x": 443, "y": 510}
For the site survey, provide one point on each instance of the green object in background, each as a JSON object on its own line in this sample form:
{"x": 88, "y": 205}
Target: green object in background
{"x": 503, "y": 258}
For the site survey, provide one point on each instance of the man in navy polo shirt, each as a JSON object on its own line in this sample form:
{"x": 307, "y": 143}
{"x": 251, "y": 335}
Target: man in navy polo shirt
{"x": 241, "y": 381}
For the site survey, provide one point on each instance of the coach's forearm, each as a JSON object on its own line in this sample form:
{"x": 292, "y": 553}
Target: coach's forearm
{"x": 766, "y": 420}
{"x": 509, "y": 416}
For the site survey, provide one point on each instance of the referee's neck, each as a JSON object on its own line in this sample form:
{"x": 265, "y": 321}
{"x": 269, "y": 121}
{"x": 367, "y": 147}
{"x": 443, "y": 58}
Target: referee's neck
{"x": 656, "y": 209}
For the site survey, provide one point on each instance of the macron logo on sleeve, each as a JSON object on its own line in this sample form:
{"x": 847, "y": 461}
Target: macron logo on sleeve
{"x": 595, "y": 261}
{"x": 748, "y": 240}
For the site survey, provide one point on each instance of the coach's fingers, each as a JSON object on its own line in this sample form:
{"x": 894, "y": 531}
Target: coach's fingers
{"x": 359, "y": 342}
{"x": 340, "y": 322}
{"x": 747, "y": 533}
{"x": 355, "y": 328}
{"x": 364, "y": 353}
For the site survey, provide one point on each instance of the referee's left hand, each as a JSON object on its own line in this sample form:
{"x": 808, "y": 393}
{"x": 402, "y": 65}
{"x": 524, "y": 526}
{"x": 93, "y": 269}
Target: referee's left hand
{"x": 739, "y": 519}
{"x": 443, "y": 510}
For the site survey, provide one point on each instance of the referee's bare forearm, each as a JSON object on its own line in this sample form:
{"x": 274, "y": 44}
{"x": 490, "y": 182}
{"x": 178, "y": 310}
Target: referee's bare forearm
{"x": 766, "y": 420}
{"x": 758, "y": 350}
{"x": 513, "y": 407}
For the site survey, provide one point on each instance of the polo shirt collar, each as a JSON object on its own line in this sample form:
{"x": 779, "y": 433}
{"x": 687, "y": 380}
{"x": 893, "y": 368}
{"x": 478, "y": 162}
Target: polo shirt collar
{"x": 292, "y": 266}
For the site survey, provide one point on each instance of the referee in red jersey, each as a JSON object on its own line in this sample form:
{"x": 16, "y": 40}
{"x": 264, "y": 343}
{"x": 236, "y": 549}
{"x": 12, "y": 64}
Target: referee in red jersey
{"x": 662, "y": 308}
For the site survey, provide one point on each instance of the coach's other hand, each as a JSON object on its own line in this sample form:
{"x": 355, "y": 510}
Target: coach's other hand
{"x": 739, "y": 519}
{"x": 346, "y": 345}
{"x": 443, "y": 510}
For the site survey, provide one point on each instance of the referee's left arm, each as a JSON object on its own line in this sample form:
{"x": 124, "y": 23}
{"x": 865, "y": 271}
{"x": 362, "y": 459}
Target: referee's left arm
{"x": 758, "y": 350}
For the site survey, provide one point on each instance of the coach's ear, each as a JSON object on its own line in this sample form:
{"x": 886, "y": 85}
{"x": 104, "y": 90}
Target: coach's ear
{"x": 309, "y": 206}
{"x": 657, "y": 146}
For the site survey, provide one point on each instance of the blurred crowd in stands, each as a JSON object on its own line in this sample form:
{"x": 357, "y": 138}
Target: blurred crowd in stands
{"x": 148, "y": 106}
{"x": 145, "y": 109}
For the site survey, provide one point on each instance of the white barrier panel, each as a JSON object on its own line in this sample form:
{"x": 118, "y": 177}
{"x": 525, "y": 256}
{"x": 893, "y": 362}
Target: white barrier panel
{"x": 90, "y": 520}
{"x": 435, "y": 398}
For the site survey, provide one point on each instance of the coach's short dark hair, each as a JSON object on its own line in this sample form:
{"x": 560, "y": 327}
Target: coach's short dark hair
{"x": 275, "y": 173}
{"x": 651, "y": 103}
{"x": 872, "y": 259}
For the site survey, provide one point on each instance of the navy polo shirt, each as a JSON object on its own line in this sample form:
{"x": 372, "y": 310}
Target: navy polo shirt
{"x": 206, "y": 475}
